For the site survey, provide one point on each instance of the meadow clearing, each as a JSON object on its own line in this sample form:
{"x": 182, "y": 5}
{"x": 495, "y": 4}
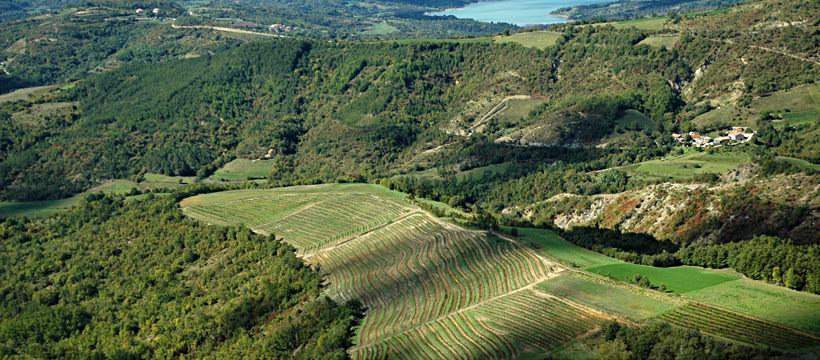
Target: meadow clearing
{"x": 797, "y": 106}
{"x": 533, "y": 39}
{"x": 50, "y": 207}
{"x": 687, "y": 165}
{"x": 242, "y": 170}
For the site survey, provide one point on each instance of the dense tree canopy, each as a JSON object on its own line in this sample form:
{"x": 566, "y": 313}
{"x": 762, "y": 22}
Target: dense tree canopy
{"x": 117, "y": 278}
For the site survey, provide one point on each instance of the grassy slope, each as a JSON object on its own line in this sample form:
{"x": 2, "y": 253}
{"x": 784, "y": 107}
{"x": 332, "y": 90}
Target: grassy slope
{"x": 796, "y": 106}
{"x": 679, "y": 279}
{"x": 771, "y": 302}
{"x": 601, "y": 294}
{"x": 518, "y": 109}
{"x": 534, "y": 39}
{"x": 49, "y": 207}
{"x": 800, "y": 105}
{"x": 25, "y": 93}
{"x": 686, "y": 166}
{"x": 713, "y": 287}
{"x": 382, "y": 28}
{"x": 118, "y": 186}
{"x": 550, "y": 244}
{"x": 581, "y": 288}
{"x": 242, "y": 169}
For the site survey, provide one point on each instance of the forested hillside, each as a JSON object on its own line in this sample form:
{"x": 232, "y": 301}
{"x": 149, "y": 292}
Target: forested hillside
{"x": 135, "y": 279}
{"x": 403, "y": 108}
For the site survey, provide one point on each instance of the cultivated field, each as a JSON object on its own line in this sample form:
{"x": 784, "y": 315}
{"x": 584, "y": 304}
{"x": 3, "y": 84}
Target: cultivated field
{"x": 797, "y": 309}
{"x": 631, "y": 302}
{"x": 434, "y": 290}
{"x": 730, "y": 325}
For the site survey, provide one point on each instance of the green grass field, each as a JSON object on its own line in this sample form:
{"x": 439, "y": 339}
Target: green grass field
{"x": 382, "y": 28}
{"x": 153, "y": 181}
{"x": 686, "y": 166}
{"x": 730, "y": 325}
{"x": 793, "y": 107}
{"x": 533, "y": 39}
{"x": 518, "y": 109}
{"x": 635, "y": 120}
{"x": 769, "y": 302}
{"x": 243, "y": 169}
{"x": 489, "y": 169}
{"x": 679, "y": 279}
{"x": 667, "y": 42}
{"x": 803, "y": 164}
{"x": 50, "y": 207}
{"x": 25, "y": 93}
{"x": 796, "y": 106}
{"x": 601, "y": 294}
{"x": 550, "y": 244}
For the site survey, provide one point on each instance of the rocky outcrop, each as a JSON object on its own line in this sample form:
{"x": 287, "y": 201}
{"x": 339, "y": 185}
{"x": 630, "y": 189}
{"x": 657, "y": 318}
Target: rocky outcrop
{"x": 786, "y": 206}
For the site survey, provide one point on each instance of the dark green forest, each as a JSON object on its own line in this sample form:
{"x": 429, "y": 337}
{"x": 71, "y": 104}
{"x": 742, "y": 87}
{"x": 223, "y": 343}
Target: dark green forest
{"x": 116, "y": 278}
{"x": 662, "y": 341}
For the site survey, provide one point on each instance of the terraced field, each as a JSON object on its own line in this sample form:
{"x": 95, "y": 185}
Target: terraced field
{"x": 730, "y": 325}
{"x": 432, "y": 289}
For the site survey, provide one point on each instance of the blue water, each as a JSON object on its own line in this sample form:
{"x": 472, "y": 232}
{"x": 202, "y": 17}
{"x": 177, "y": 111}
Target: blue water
{"x": 518, "y": 12}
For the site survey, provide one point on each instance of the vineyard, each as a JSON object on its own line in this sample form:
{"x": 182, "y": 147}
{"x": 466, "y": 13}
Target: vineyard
{"x": 432, "y": 289}
{"x": 436, "y": 290}
{"x": 727, "y": 324}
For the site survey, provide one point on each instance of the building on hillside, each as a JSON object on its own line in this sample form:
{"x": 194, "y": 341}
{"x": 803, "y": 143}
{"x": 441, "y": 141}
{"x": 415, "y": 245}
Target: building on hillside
{"x": 279, "y": 27}
{"x": 737, "y": 130}
{"x": 140, "y": 11}
{"x": 722, "y": 140}
{"x": 155, "y": 11}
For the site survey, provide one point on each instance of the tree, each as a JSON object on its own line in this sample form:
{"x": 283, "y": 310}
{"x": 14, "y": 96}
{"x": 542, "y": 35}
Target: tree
{"x": 794, "y": 280}
{"x": 776, "y": 276}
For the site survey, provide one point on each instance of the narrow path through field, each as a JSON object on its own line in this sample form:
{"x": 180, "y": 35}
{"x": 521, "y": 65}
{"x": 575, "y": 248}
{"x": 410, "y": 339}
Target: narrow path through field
{"x": 226, "y": 29}
{"x": 462, "y": 310}
{"x": 359, "y": 236}
{"x": 768, "y": 49}
{"x": 497, "y": 108}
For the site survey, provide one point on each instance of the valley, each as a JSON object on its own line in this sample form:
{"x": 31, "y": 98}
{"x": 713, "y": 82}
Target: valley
{"x": 315, "y": 179}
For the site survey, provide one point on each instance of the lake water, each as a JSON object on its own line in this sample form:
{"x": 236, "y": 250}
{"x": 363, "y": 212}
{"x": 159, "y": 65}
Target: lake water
{"x": 518, "y": 12}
